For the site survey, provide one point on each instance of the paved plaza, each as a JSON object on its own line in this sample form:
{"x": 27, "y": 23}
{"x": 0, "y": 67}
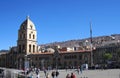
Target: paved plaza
{"x": 108, "y": 73}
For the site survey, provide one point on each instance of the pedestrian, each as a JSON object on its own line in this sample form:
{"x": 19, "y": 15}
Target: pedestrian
{"x": 37, "y": 71}
{"x": 53, "y": 74}
{"x": 57, "y": 73}
{"x": 81, "y": 68}
{"x": 68, "y": 76}
{"x": 45, "y": 72}
{"x": 73, "y": 75}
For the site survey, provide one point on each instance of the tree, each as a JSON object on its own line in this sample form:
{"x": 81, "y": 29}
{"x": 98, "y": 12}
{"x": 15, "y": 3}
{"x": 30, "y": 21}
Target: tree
{"x": 107, "y": 56}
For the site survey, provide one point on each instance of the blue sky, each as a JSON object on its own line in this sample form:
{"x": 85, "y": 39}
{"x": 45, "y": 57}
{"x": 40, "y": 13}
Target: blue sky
{"x": 58, "y": 20}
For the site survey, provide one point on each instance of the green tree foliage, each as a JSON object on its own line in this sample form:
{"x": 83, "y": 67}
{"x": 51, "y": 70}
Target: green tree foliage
{"x": 107, "y": 56}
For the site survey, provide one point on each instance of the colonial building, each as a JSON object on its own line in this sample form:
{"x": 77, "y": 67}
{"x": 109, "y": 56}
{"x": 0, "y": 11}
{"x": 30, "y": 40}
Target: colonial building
{"x": 28, "y": 53}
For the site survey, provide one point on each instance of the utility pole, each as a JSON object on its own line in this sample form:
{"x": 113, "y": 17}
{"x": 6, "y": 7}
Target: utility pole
{"x": 91, "y": 44}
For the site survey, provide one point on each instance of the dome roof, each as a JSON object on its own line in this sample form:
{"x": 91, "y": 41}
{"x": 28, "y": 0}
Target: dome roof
{"x": 27, "y": 24}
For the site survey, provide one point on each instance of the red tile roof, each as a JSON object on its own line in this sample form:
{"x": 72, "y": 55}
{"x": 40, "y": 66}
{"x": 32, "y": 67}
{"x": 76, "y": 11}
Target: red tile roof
{"x": 80, "y": 51}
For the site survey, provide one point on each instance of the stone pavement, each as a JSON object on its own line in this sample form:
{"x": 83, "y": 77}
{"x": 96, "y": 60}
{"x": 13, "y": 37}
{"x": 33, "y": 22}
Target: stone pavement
{"x": 108, "y": 73}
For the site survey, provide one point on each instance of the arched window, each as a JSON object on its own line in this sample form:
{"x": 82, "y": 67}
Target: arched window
{"x": 29, "y": 36}
{"x": 33, "y": 48}
{"x": 29, "y": 48}
{"x": 33, "y": 36}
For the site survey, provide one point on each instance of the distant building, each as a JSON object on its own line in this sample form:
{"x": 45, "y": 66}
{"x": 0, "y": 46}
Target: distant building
{"x": 113, "y": 49}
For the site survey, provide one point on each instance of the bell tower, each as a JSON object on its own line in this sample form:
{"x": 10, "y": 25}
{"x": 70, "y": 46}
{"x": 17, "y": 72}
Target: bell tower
{"x": 27, "y": 37}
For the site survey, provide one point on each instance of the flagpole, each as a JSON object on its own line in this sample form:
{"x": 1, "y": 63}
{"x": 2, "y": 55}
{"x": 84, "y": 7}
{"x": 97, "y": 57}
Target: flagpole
{"x": 91, "y": 45}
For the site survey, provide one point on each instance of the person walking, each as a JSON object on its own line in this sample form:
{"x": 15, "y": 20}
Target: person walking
{"x": 73, "y": 75}
{"x": 81, "y": 69}
{"x": 45, "y": 72}
{"x": 68, "y": 76}
{"x": 53, "y": 74}
{"x": 57, "y": 73}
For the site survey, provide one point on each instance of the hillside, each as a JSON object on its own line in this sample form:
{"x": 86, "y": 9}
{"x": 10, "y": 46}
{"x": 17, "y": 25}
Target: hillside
{"x": 97, "y": 41}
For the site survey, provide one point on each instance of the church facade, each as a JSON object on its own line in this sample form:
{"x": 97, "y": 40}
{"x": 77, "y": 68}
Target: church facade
{"x": 27, "y": 53}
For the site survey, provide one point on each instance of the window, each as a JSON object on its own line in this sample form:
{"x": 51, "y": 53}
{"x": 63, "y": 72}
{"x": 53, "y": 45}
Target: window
{"x": 29, "y": 48}
{"x": 30, "y": 36}
{"x": 33, "y": 36}
{"x": 33, "y": 48}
